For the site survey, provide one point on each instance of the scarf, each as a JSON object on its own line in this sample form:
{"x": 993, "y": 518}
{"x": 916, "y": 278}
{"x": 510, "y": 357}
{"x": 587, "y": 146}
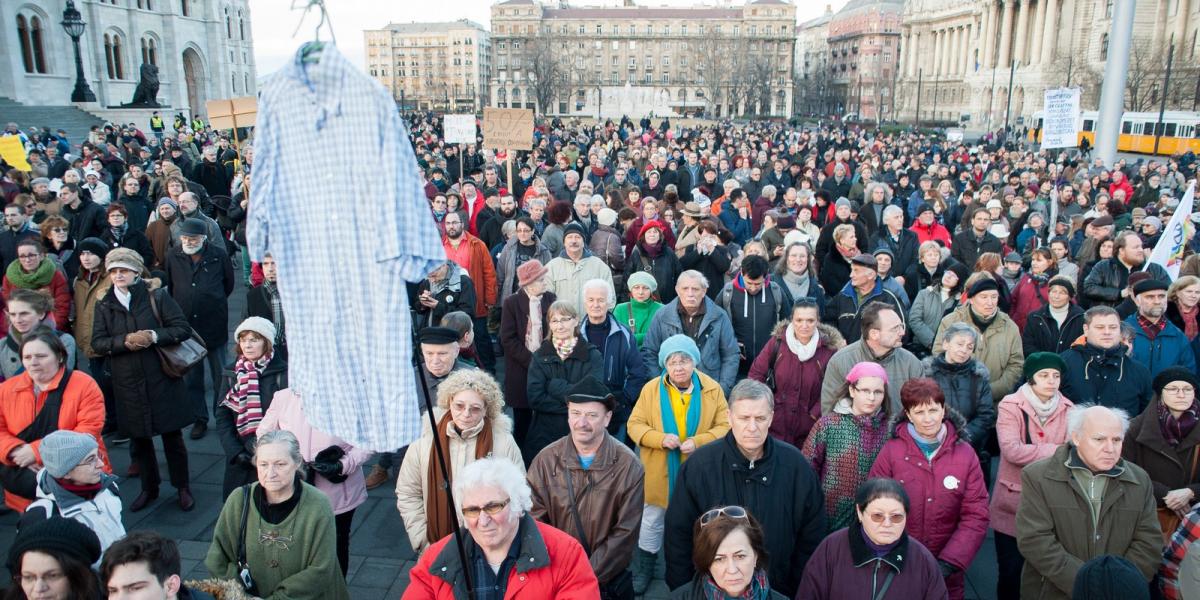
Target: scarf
{"x": 801, "y": 350}
{"x": 118, "y": 233}
{"x": 1152, "y": 329}
{"x": 1042, "y": 410}
{"x": 847, "y": 253}
{"x": 797, "y": 283}
{"x": 533, "y": 329}
{"x": 927, "y": 446}
{"x": 651, "y": 250}
{"x": 879, "y": 550}
{"x": 39, "y": 278}
{"x": 981, "y": 322}
{"x": 1191, "y": 327}
{"x": 757, "y": 590}
{"x": 674, "y": 456}
{"x": 243, "y": 396}
{"x": 564, "y": 347}
{"x": 439, "y": 522}
{"x": 1174, "y": 429}
{"x": 86, "y": 491}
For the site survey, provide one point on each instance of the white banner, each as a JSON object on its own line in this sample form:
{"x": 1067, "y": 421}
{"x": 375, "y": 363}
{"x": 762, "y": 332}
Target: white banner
{"x": 1168, "y": 252}
{"x": 1060, "y": 118}
{"x": 459, "y": 129}
{"x": 954, "y": 134}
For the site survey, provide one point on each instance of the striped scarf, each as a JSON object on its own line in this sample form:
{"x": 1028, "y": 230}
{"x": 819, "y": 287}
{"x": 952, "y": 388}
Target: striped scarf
{"x": 243, "y": 396}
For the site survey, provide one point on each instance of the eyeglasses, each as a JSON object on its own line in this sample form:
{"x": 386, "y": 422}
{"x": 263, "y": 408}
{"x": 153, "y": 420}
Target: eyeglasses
{"x": 871, "y": 393}
{"x": 880, "y": 518}
{"x": 59, "y": 229}
{"x": 491, "y": 508}
{"x": 1180, "y": 390}
{"x": 566, "y": 321}
{"x": 733, "y": 512}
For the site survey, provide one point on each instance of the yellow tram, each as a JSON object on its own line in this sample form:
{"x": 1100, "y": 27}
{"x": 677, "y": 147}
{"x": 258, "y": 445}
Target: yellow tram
{"x": 1180, "y": 131}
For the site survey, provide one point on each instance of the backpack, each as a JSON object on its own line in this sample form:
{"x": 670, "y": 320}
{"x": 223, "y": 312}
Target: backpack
{"x": 727, "y": 296}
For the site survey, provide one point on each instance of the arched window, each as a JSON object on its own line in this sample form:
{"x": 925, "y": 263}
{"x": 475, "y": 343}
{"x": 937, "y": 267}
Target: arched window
{"x": 149, "y": 51}
{"x": 30, "y": 33}
{"x": 114, "y": 55}
{"x": 234, "y": 78}
{"x": 241, "y": 26}
{"x": 184, "y": 9}
{"x": 228, "y": 24}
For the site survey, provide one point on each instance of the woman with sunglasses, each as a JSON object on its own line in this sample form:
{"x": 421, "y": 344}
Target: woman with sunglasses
{"x": 59, "y": 245}
{"x": 930, "y": 454}
{"x": 874, "y": 557}
{"x": 730, "y": 554}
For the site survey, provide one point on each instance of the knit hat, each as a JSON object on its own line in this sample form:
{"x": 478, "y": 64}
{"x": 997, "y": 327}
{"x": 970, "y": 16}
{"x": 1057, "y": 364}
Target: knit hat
{"x": 641, "y": 278}
{"x": 574, "y": 227}
{"x": 1137, "y": 277}
{"x": 785, "y": 222}
{"x": 258, "y": 325}
{"x": 1149, "y": 285}
{"x": 590, "y": 389}
{"x": 1138, "y": 212}
{"x": 1110, "y": 577}
{"x": 994, "y": 203}
{"x": 924, "y": 208}
{"x": 866, "y": 369}
{"x": 1155, "y": 221}
{"x": 843, "y": 201}
{"x": 193, "y": 227}
{"x": 678, "y": 343}
{"x": 1172, "y": 374}
{"x": 607, "y": 217}
{"x": 57, "y": 534}
{"x": 169, "y": 202}
{"x": 1063, "y": 282}
{"x": 1013, "y": 257}
{"x": 983, "y": 285}
{"x": 530, "y": 271}
{"x": 64, "y": 449}
{"x": 1042, "y": 360}
{"x": 124, "y": 258}
{"x": 94, "y": 245}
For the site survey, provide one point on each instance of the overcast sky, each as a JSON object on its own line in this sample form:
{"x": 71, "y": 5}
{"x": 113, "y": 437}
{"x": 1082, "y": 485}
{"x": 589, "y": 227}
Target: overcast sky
{"x": 275, "y": 22}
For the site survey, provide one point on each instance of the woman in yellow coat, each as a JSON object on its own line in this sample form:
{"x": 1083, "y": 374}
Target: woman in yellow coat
{"x": 668, "y": 424}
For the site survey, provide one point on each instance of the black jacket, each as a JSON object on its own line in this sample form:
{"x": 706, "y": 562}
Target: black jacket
{"x": 713, "y": 266}
{"x": 1108, "y": 277}
{"x": 665, "y": 268}
{"x": 825, "y": 240}
{"x": 781, "y": 490}
{"x": 133, "y": 239}
{"x": 148, "y": 402}
{"x": 239, "y": 469}
{"x": 86, "y": 221}
{"x": 215, "y": 177}
{"x": 1107, "y": 377}
{"x": 1042, "y": 333}
{"x": 904, "y": 253}
{"x": 202, "y": 290}
{"x": 549, "y": 378}
{"x": 448, "y": 302}
{"x": 8, "y": 243}
{"x": 966, "y": 248}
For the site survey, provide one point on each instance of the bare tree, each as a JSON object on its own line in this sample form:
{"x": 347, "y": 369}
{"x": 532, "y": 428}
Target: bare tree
{"x": 548, "y": 71}
{"x": 1144, "y": 79}
{"x": 713, "y": 55}
{"x": 759, "y": 70}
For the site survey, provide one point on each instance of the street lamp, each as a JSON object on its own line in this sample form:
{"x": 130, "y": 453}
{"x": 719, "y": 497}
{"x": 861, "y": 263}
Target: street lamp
{"x": 73, "y": 24}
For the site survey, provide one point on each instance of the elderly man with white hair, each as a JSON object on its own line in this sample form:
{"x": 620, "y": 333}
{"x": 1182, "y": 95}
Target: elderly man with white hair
{"x": 625, "y": 371}
{"x": 1082, "y": 502}
{"x": 504, "y": 546}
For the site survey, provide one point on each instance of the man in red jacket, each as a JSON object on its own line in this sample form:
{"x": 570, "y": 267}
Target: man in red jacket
{"x": 472, "y": 255}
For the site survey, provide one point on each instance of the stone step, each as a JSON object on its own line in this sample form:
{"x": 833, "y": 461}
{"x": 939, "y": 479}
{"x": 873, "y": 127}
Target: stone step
{"x": 75, "y": 121}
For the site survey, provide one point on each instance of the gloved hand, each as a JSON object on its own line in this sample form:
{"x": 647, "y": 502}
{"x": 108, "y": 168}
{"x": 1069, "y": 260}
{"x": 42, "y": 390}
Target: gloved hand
{"x": 328, "y": 464}
{"x": 138, "y": 340}
{"x": 947, "y": 568}
{"x": 243, "y": 459}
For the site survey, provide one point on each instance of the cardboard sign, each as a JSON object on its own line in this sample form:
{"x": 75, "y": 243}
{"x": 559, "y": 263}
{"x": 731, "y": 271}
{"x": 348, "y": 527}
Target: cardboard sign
{"x": 508, "y": 128}
{"x": 459, "y": 129}
{"x": 14, "y": 153}
{"x": 232, "y": 113}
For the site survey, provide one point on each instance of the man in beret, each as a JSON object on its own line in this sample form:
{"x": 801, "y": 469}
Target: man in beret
{"x": 845, "y": 308}
{"x": 590, "y": 485}
{"x": 999, "y": 344}
{"x": 1157, "y": 342}
{"x": 1106, "y": 283}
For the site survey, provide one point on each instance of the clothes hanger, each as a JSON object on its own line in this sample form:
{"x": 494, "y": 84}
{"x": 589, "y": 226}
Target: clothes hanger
{"x": 310, "y": 53}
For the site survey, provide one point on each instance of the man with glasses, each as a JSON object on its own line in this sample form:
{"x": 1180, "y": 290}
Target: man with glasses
{"x": 189, "y": 209}
{"x": 470, "y": 253}
{"x": 882, "y": 331}
{"x": 16, "y": 228}
{"x": 750, "y": 469}
{"x": 504, "y": 546}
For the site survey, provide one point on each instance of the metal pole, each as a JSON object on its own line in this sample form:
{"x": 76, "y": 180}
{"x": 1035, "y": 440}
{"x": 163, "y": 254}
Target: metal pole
{"x": 935, "y": 99}
{"x": 917, "y": 114}
{"x": 82, "y": 92}
{"x": 1112, "y": 92}
{"x": 991, "y": 99}
{"x": 1012, "y": 72}
{"x": 1162, "y": 107}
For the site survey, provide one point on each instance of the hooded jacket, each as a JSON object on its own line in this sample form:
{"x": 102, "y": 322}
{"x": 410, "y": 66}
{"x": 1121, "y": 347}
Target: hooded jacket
{"x": 967, "y": 391}
{"x": 754, "y": 316}
{"x": 1106, "y": 377}
{"x": 847, "y": 309}
{"x": 797, "y": 384}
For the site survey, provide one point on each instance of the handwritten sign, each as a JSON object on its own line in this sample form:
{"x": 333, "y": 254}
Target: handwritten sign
{"x": 14, "y": 153}
{"x": 232, "y": 113}
{"x": 459, "y": 129}
{"x": 508, "y": 128}
{"x": 1060, "y": 118}
{"x": 954, "y": 134}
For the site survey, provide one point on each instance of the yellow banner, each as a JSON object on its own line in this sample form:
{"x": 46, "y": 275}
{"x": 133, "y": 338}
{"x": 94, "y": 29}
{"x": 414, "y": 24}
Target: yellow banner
{"x": 14, "y": 153}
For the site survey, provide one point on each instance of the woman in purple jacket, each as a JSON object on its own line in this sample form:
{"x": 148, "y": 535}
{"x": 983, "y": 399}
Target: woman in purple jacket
{"x": 938, "y": 468}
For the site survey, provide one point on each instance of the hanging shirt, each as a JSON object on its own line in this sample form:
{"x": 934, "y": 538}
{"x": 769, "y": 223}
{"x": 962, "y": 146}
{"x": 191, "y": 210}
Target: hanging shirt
{"x": 329, "y": 139}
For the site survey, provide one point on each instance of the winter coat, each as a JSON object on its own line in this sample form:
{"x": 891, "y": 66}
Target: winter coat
{"x": 567, "y": 277}
{"x": 1169, "y": 467}
{"x": 161, "y": 240}
{"x": 949, "y": 511}
{"x": 713, "y": 266}
{"x": 846, "y": 309}
{"x": 696, "y": 590}
{"x": 1042, "y": 333}
{"x": 967, "y": 392}
{"x": 841, "y": 448}
{"x": 904, "y": 250}
{"x": 287, "y": 413}
{"x": 606, "y": 245}
{"x": 934, "y": 232}
{"x": 10, "y": 350}
{"x": 797, "y": 385}
{"x": 966, "y": 247}
{"x": 926, "y": 316}
{"x": 607, "y": 496}
{"x": 1170, "y": 348}
{"x": 148, "y": 401}
{"x": 58, "y": 289}
{"x": 514, "y": 320}
{"x": 780, "y": 489}
{"x": 272, "y": 379}
{"x": 998, "y": 348}
{"x": 88, "y": 220}
{"x": 1027, "y": 297}
{"x": 815, "y": 292}
{"x": 482, "y": 273}
{"x": 825, "y": 243}
{"x": 1103, "y": 284}
{"x": 1056, "y": 532}
{"x": 645, "y": 428}
{"x": 843, "y": 567}
{"x": 549, "y": 378}
{"x": 1107, "y": 377}
{"x": 551, "y": 564}
{"x": 449, "y": 299}
{"x": 899, "y": 364}
{"x": 506, "y": 266}
{"x": 719, "y": 355}
{"x": 412, "y": 483}
{"x": 101, "y": 514}
{"x": 202, "y": 290}
{"x": 835, "y": 271}
{"x": 133, "y": 239}
{"x": 82, "y": 411}
{"x": 754, "y": 317}
{"x": 665, "y": 268}
{"x": 917, "y": 278}
{"x": 1023, "y": 439}
{"x": 87, "y": 294}
{"x": 624, "y": 370}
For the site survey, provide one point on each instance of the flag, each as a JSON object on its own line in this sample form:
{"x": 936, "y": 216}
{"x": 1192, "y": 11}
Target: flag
{"x": 1168, "y": 252}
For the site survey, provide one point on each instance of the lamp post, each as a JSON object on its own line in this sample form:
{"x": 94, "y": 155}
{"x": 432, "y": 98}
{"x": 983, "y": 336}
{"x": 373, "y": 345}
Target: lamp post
{"x": 73, "y": 24}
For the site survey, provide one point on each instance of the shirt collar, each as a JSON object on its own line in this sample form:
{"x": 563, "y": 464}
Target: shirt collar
{"x": 323, "y": 80}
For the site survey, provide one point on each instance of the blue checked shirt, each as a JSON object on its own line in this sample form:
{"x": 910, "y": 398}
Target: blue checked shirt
{"x": 338, "y": 200}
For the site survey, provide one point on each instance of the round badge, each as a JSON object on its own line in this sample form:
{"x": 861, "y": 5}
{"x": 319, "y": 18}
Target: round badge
{"x": 449, "y": 299}
{"x": 951, "y": 482}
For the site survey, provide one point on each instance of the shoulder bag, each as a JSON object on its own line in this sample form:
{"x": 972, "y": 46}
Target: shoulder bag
{"x": 176, "y": 359}
{"x": 244, "y": 577}
{"x": 620, "y": 587}
{"x": 23, "y": 481}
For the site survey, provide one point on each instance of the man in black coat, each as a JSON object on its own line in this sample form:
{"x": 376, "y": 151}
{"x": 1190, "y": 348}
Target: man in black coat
{"x": 900, "y": 240}
{"x": 970, "y": 243}
{"x": 86, "y": 218}
{"x": 200, "y": 277}
{"x": 1108, "y": 282}
{"x": 214, "y": 176}
{"x": 1101, "y": 371}
{"x": 767, "y": 477}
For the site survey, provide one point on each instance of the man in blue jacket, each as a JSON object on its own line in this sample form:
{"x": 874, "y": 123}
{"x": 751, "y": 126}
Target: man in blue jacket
{"x": 1157, "y": 342}
{"x": 624, "y": 370}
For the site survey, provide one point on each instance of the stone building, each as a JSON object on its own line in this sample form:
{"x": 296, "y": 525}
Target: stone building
{"x": 202, "y": 48}
{"x": 443, "y": 66}
{"x": 864, "y": 49}
{"x": 813, "y": 76}
{"x": 638, "y": 60}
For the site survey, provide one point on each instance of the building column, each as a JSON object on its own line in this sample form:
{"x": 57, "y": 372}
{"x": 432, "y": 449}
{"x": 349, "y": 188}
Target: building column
{"x": 951, "y": 50}
{"x": 1035, "y": 41}
{"x": 1021, "y": 41}
{"x": 985, "y": 29}
{"x": 992, "y": 13}
{"x": 901, "y": 58}
{"x": 966, "y": 62}
{"x": 955, "y": 50}
{"x": 1181, "y": 25}
{"x": 1050, "y": 32}
{"x": 910, "y": 55}
{"x": 1006, "y": 25}
{"x": 937, "y": 52}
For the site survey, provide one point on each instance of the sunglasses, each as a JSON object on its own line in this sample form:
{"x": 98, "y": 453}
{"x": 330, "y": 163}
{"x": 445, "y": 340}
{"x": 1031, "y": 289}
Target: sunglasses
{"x": 733, "y": 512}
{"x": 880, "y": 518}
{"x": 491, "y": 508}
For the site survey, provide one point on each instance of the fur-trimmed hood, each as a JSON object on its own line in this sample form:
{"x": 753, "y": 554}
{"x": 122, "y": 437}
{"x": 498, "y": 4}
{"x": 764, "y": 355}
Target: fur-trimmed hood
{"x": 829, "y": 335}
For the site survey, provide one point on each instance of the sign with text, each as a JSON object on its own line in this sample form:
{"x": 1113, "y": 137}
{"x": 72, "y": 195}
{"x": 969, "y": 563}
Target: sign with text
{"x": 508, "y": 128}
{"x": 459, "y": 129}
{"x": 1060, "y": 118}
{"x": 954, "y": 134}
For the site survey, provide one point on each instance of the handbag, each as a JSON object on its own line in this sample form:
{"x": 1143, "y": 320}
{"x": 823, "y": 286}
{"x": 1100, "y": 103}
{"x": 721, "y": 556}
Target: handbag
{"x": 1168, "y": 520}
{"x": 769, "y": 378}
{"x": 176, "y": 359}
{"x": 243, "y": 576}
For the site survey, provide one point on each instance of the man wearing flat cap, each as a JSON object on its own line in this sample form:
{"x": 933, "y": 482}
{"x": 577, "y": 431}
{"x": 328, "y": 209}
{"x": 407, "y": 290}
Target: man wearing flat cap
{"x": 1157, "y": 342}
{"x": 589, "y": 485}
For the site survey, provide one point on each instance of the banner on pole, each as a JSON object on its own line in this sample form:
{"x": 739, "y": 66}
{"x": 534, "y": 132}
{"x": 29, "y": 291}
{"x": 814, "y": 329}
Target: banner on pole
{"x": 1168, "y": 252}
{"x": 508, "y": 128}
{"x": 459, "y": 129}
{"x": 1060, "y": 118}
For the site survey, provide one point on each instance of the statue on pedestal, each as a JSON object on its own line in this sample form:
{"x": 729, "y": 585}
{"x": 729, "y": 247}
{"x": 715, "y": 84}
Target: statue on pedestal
{"x": 146, "y": 94}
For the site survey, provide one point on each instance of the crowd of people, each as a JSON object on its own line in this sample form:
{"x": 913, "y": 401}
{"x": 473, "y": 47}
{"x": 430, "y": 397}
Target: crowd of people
{"x": 784, "y": 360}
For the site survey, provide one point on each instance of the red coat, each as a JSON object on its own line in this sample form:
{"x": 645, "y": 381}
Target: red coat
{"x": 1124, "y": 185}
{"x": 1026, "y": 298}
{"x": 59, "y": 290}
{"x": 551, "y": 565}
{"x": 479, "y": 268}
{"x": 949, "y": 502}
{"x": 797, "y": 385}
{"x": 936, "y": 232}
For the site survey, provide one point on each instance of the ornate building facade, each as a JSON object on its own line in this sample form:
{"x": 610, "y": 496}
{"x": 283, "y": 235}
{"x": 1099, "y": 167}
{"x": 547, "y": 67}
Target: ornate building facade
{"x": 864, "y": 50}
{"x": 432, "y": 65}
{"x": 202, "y": 48}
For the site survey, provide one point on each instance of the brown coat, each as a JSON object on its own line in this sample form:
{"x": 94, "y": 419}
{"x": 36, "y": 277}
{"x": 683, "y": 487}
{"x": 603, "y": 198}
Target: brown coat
{"x": 86, "y": 296}
{"x": 159, "y": 233}
{"x": 514, "y": 319}
{"x": 1169, "y": 468}
{"x": 608, "y": 497}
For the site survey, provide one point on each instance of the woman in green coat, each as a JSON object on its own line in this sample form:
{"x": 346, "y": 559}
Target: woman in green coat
{"x": 639, "y": 311}
{"x": 288, "y": 530}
